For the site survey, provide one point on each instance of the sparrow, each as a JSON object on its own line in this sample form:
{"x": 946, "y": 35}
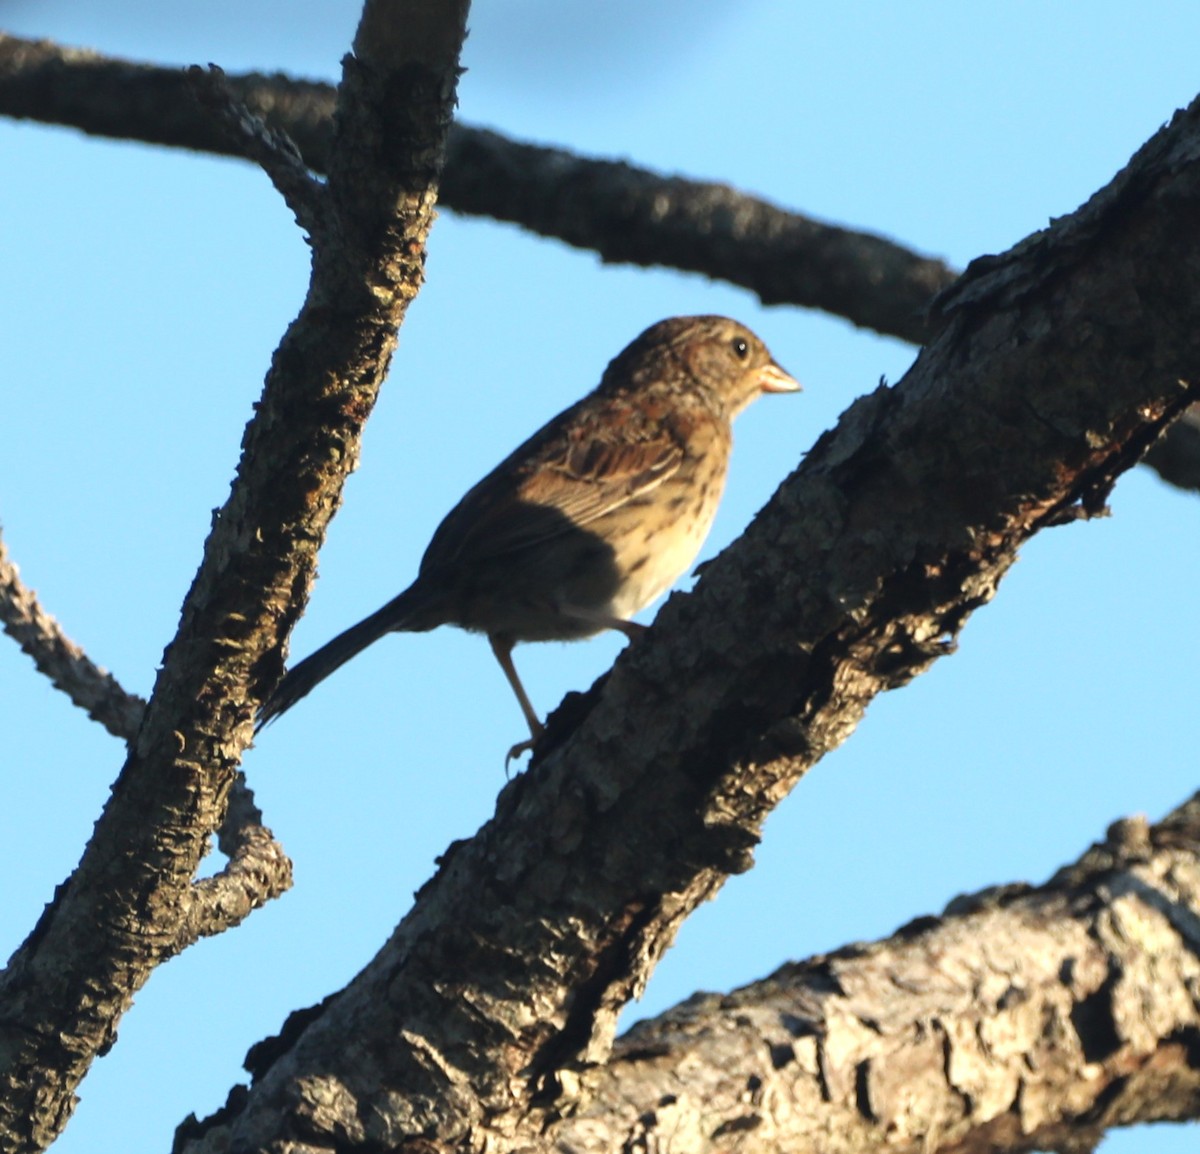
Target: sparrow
{"x": 591, "y": 519}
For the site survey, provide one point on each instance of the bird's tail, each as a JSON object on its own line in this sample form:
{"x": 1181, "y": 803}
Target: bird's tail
{"x": 301, "y": 679}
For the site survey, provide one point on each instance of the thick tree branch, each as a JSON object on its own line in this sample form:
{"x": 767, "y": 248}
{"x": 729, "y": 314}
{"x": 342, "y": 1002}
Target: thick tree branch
{"x": 128, "y": 905}
{"x": 1023, "y": 1019}
{"x": 1056, "y": 367}
{"x": 624, "y": 213}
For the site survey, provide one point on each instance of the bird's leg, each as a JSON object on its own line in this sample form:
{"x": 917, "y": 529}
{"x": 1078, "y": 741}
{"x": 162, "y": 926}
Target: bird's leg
{"x": 502, "y": 647}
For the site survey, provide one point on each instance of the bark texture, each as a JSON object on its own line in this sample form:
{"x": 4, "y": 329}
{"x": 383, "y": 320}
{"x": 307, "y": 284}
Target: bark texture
{"x": 1023, "y": 1019}
{"x": 257, "y": 871}
{"x": 1056, "y": 366}
{"x": 131, "y": 903}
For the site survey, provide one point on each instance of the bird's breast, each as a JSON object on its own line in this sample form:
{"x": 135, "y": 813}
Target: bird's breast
{"x": 660, "y": 536}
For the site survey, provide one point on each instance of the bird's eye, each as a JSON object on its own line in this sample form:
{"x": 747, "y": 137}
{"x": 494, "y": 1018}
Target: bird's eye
{"x": 740, "y": 348}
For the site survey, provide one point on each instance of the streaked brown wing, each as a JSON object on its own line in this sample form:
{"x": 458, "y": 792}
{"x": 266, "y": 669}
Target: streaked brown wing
{"x": 514, "y": 508}
{"x": 593, "y": 478}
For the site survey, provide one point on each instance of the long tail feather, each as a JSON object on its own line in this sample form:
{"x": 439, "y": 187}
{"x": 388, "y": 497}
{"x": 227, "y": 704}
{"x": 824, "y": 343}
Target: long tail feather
{"x": 302, "y": 678}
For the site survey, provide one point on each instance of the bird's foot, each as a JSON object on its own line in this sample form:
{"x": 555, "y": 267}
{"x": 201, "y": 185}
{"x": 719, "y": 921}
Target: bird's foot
{"x": 519, "y": 750}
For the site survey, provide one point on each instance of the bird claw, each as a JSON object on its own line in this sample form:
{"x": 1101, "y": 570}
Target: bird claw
{"x": 519, "y": 750}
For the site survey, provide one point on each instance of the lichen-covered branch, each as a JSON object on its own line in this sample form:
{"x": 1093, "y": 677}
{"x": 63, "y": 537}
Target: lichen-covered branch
{"x": 126, "y": 907}
{"x": 1023, "y": 1019}
{"x": 1055, "y": 368}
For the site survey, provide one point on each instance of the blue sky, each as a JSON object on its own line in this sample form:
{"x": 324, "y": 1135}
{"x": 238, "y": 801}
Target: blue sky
{"x": 144, "y": 291}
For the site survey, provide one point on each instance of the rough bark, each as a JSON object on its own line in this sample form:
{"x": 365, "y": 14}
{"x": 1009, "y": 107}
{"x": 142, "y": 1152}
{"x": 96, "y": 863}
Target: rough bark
{"x": 128, "y": 905}
{"x": 257, "y": 869}
{"x": 1055, "y": 368}
{"x": 1022, "y": 1019}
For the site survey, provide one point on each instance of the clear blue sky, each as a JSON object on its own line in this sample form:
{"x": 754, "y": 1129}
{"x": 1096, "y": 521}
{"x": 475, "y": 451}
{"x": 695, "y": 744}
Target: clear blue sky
{"x": 144, "y": 291}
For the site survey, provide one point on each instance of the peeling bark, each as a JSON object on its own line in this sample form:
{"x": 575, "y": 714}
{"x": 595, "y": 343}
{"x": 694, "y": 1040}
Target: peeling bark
{"x": 1022, "y": 1019}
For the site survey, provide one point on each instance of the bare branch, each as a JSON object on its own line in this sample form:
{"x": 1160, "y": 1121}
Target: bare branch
{"x": 127, "y": 906}
{"x": 1023, "y": 1019}
{"x": 115, "y": 98}
{"x": 69, "y": 669}
{"x": 272, "y": 149}
{"x": 257, "y": 869}
{"x": 624, "y": 213}
{"x": 1057, "y": 366}
{"x": 631, "y": 215}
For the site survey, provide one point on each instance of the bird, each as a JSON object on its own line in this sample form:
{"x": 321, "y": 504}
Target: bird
{"x": 590, "y": 520}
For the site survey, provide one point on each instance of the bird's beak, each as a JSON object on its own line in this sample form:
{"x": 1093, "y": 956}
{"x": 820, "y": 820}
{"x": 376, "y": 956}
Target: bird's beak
{"x": 772, "y": 379}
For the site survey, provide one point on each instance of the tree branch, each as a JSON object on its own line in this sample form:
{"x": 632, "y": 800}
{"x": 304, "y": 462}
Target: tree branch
{"x": 271, "y": 149}
{"x": 257, "y": 869}
{"x": 632, "y": 215}
{"x": 55, "y": 655}
{"x": 130, "y": 903}
{"x": 1056, "y": 366}
{"x": 1022, "y": 1019}
{"x": 625, "y": 213}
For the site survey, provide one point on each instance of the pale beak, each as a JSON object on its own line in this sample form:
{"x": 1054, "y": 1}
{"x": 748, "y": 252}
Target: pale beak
{"x": 772, "y": 379}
